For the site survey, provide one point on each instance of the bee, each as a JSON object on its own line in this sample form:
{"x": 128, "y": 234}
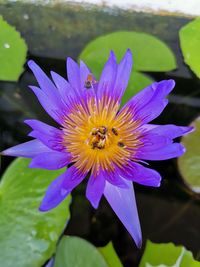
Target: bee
{"x": 103, "y": 130}
{"x": 120, "y": 144}
{"x": 114, "y": 131}
{"x": 88, "y": 82}
{"x": 95, "y": 131}
{"x": 98, "y": 144}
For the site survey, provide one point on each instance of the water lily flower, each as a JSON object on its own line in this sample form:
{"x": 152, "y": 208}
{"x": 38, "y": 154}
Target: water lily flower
{"x": 99, "y": 140}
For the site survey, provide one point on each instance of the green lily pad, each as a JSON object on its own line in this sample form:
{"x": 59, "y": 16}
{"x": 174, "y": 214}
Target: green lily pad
{"x": 167, "y": 255}
{"x": 73, "y": 251}
{"x": 110, "y": 255}
{"x": 149, "y": 53}
{"x": 28, "y": 237}
{"x": 190, "y": 44}
{"x": 189, "y": 163}
{"x": 13, "y": 51}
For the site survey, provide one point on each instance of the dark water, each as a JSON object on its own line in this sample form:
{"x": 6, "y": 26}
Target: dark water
{"x": 168, "y": 214}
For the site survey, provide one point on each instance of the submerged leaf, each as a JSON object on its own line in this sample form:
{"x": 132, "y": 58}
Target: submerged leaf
{"x": 190, "y": 44}
{"x": 189, "y": 163}
{"x": 13, "y": 51}
{"x": 27, "y": 236}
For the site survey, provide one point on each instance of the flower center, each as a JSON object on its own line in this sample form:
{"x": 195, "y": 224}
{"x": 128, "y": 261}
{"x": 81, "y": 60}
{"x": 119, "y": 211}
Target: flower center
{"x": 98, "y": 137}
{"x": 101, "y": 137}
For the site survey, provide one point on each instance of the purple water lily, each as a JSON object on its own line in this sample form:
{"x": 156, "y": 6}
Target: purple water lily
{"x": 97, "y": 138}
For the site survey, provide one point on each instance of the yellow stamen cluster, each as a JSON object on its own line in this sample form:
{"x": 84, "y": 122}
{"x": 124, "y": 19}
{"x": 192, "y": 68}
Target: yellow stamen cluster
{"x": 98, "y": 137}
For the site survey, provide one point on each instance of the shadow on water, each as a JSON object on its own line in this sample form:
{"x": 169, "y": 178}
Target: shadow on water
{"x": 52, "y": 33}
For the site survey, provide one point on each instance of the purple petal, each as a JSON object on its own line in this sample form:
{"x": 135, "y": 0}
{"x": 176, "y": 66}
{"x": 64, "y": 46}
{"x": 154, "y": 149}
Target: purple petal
{"x": 95, "y": 188}
{"x": 51, "y": 109}
{"x": 141, "y": 175}
{"x": 150, "y": 102}
{"x": 63, "y": 86}
{"x": 108, "y": 76}
{"x": 171, "y": 131}
{"x": 152, "y": 141}
{"x": 54, "y": 194}
{"x": 115, "y": 179}
{"x": 51, "y": 160}
{"x": 29, "y": 149}
{"x": 44, "y": 82}
{"x": 50, "y": 136}
{"x": 122, "y": 201}
{"x": 170, "y": 151}
{"x": 46, "y": 85}
{"x": 43, "y": 127}
{"x": 73, "y": 177}
{"x": 151, "y": 111}
{"x": 123, "y": 74}
{"x": 73, "y": 73}
{"x": 60, "y": 188}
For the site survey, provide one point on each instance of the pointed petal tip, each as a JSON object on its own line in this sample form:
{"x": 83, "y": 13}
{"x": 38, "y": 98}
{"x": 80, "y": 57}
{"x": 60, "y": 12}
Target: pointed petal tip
{"x": 124, "y": 205}
{"x": 129, "y": 52}
{"x": 30, "y": 63}
{"x": 170, "y": 84}
{"x": 137, "y": 239}
{"x": 139, "y": 244}
{"x": 53, "y": 73}
{"x": 5, "y": 152}
{"x": 34, "y": 88}
{"x": 43, "y": 208}
{"x": 182, "y": 150}
{"x": 171, "y": 81}
{"x": 31, "y": 165}
{"x": 70, "y": 60}
{"x": 112, "y": 56}
{"x": 94, "y": 205}
{"x": 187, "y": 129}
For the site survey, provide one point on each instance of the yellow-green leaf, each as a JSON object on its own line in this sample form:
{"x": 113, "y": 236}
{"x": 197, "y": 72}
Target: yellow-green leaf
{"x": 13, "y": 51}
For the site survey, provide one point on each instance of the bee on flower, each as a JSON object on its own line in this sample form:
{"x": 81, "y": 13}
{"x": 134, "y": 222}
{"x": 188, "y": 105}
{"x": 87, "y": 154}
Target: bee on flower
{"x": 99, "y": 140}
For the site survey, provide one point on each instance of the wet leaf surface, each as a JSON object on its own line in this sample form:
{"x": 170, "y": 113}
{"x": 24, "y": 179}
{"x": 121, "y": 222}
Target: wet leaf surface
{"x": 28, "y": 237}
{"x": 13, "y": 51}
{"x": 189, "y": 163}
{"x": 73, "y": 251}
{"x": 167, "y": 255}
{"x": 190, "y": 43}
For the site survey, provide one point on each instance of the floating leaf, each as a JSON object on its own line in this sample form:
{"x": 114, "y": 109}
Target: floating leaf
{"x": 73, "y": 251}
{"x": 13, "y": 51}
{"x": 189, "y": 163}
{"x": 190, "y": 44}
{"x": 27, "y": 236}
{"x": 149, "y": 53}
{"x": 110, "y": 255}
{"x": 167, "y": 255}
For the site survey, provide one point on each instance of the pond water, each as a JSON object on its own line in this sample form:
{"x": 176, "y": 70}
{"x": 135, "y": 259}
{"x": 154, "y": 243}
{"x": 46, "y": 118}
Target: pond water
{"x": 168, "y": 214}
